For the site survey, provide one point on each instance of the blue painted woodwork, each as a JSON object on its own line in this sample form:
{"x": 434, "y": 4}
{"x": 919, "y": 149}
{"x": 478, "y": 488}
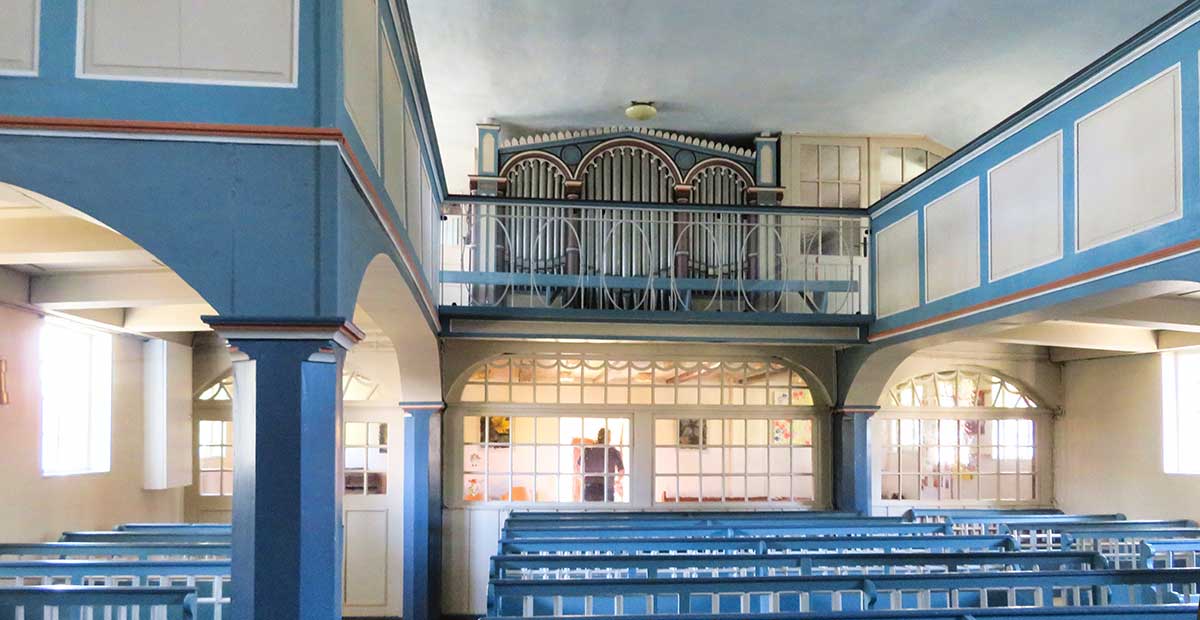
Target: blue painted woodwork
{"x": 195, "y": 528}
{"x": 723, "y": 544}
{"x": 523, "y": 516}
{"x": 851, "y": 458}
{"x": 114, "y": 550}
{"x": 422, "y": 514}
{"x": 831, "y": 528}
{"x": 74, "y": 601}
{"x": 107, "y": 536}
{"x": 1159, "y": 612}
{"x": 209, "y": 579}
{"x": 712, "y": 520}
{"x": 1090, "y": 587}
{"x": 287, "y": 507}
{"x": 679, "y": 565}
{"x": 1171, "y": 553}
{"x": 941, "y": 514}
{"x": 1171, "y": 244}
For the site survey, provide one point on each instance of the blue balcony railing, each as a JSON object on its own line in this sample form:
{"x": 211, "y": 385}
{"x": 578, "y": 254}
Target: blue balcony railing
{"x": 658, "y": 258}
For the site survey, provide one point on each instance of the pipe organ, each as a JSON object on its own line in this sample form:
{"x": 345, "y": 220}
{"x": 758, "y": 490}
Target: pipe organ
{"x": 645, "y": 252}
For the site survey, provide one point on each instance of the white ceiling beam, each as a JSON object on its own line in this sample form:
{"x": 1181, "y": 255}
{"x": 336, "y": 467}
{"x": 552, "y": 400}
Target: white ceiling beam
{"x": 65, "y": 241}
{"x": 172, "y": 318}
{"x": 1170, "y": 313}
{"x": 1074, "y": 335}
{"x": 126, "y": 289}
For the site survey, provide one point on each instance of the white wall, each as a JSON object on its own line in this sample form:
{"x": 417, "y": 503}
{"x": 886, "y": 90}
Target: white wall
{"x": 1108, "y": 455}
{"x": 36, "y": 508}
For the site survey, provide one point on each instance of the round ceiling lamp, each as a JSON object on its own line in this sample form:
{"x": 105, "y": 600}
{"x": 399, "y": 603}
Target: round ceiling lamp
{"x": 641, "y": 110}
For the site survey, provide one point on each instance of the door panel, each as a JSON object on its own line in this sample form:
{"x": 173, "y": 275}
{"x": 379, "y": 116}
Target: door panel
{"x": 372, "y": 511}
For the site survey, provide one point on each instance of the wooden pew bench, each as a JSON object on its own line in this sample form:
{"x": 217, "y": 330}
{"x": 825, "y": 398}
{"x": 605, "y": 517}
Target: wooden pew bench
{"x": 1144, "y": 612}
{"x": 669, "y": 530}
{"x": 520, "y": 597}
{"x": 63, "y": 602}
{"x": 144, "y": 537}
{"x": 778, "y": 544}
{"x": 709, "y": 521}
{"x": 1122, "y": 548}
{"x": 208, "y": 579}
{"x": 1177, "y": 553}
{"x": 113, "y": 551}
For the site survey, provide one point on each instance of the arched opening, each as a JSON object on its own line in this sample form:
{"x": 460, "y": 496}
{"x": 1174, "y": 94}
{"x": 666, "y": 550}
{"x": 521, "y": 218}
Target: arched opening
{"x": 97, "y": 341}
{"x": 562, "y": 430}
{"x": 961, "y": 436}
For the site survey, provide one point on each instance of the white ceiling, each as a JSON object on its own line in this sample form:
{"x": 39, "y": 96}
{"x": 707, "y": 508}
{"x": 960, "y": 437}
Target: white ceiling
{"x": 948, "y": 69}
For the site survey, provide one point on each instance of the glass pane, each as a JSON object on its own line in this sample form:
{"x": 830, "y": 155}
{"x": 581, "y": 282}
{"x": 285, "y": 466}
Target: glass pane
{"x": 829, "y": 160}
{"x": 665, "y": 489}
{"x": 472, "y": 429}
{"x": 376, "y": 483}
{"x": 547, "y": 430}
{"x": 210, "y": 458}
{"x": 890, "y": 166}
{"x": 756, "y": 431}
{"x": 377, "y": 434}
{"x": 914, "y": 163}
{"x": 523, "y": 430}
{"x": 356, "y": 458}
{"x": 473, "y": 458}
{"x": 210, "y": 483}
{"x": 355, "y": 483}
{"x": 356, "y": 434}
{"x": 806, "y": 160}
{"x": 547, "y": 489}
{"x": 498, "y": 459}
{"x": 227, "y": 483}
{"x": 473, "y": 488}
{"x": 850, "y": 163}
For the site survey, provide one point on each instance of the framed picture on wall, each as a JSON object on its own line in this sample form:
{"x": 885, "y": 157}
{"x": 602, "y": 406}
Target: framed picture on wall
{"x": 692, "y": 433}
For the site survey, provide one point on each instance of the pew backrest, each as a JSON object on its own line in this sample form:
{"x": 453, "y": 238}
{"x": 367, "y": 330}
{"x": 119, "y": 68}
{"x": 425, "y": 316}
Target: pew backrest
{"x": 779, "y": 544}
{"x": 669, "y": 530}
{"x": 144, "y": 537}
{"x": 1122, "y": 612}
{"x": 113, "y": 551}
{"x": 180, "y": 528}
{"x": 33, "y": 602}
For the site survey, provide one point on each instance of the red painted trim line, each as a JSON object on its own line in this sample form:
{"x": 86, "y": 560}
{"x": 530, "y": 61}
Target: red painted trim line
{"x": 1124, "y": 265}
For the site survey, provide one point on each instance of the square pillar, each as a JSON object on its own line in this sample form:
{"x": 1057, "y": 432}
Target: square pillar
{"x": 287, "y": 490}
{"x": 422, "y": 511}
{"x": 852, "y": 458}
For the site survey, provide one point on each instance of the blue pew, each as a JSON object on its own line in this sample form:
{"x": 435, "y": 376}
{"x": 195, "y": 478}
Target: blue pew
{"x": 143, "y": 537}
{"x": 821, "y": 528}
{"x": 1178, "y": 553}
{"x": 709, "y": 521}
{"x": 209, "y": 579}
{"x": 520, "y": 597}
{"x": 38, "y": 602}
{"x": 1144, "y": 612}
{"x": 181, "y": 528}
{"x": 1121, "y": 547}
{"x": 112, "y": 551}
{"x": 690, "y": 565}
{"x": 616, "y": 516}
{"x": 779, "y": 544}
{"x": 939, "y": 515}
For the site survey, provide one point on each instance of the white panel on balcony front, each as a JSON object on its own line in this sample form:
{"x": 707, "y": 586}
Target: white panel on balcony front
{"x": 18, "y": 36}
{"x": 897, "y": 261}
{"x": 234, "y": 41}
{"x": 394, "y": 121}
{"x": 1128, "y": 161}
{"x": 1025, "y": 224}
{"x": 360, "y": 62}
{"x": 952, "y": 242}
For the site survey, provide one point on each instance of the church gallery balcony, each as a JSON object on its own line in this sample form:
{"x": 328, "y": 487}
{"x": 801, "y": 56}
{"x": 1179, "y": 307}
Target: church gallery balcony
{"x": 640, "y": 222}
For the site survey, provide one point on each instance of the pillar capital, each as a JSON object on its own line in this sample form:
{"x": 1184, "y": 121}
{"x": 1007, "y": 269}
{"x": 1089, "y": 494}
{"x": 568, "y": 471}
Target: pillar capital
{"x": 423, "y": 407}
{"x": 338, "y": 330}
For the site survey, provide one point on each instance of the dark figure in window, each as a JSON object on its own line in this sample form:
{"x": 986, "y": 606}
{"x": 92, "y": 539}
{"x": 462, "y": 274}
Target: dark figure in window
{"x": 593, "y": 462}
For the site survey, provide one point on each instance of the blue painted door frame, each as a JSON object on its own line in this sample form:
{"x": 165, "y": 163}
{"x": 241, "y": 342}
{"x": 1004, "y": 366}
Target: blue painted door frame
{"x": 287, "y": 505}
{"x": 422, "y": 513}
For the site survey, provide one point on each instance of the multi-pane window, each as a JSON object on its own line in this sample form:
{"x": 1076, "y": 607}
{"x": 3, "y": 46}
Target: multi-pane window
{"x": 959, "y": 458}
{"x": 366, "y": 458}
{"x": 578, "y": 380}
{"x": 899, "y": 165}
{"x": 355, "y": 387}
{"x": 76, "y": 377}
{"x": 215, "y": 456}
{"x": 546, "y": 458}
{"x": 959, "y": 388}
{"x": 1181, "y": 412}
{"x": 825, "y": 175}
{"x": 733, "y": 460}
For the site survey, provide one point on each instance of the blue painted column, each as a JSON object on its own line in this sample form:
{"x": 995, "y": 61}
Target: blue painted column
{"x": 287, "y": 490}
{"x": 852, "y": 458}
{"x": 422, "y": 511}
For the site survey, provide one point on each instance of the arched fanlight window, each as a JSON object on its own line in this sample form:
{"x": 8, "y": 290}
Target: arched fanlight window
{"x": 960, "y": 388}
{"x": 355, "y": 387}
{"x": 567, "y": 379}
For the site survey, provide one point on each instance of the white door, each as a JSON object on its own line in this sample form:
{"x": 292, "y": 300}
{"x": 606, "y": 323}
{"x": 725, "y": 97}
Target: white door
{"x": 209, "y": 499}
{"x": 373, "y": 518}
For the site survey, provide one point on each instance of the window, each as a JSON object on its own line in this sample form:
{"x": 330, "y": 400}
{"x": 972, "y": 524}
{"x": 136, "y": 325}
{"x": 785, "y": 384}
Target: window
{"x": 576, "y": 380}
{"x": 826, "y": 175}
{"x": 366, "y": 458}
{"x": 545, "y": 458}
{"x": 76, "y": 376}
{"x": 959, "y": 388}
{"x": 1181, "y": 412}
{"x": 215, "y": 456}
{"x": 733, "y": 460}
{"x": 898, "y": 166}
{"x": 959, "y": 458}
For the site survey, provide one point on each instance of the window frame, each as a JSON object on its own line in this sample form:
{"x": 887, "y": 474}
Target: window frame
{"x": 639, "y": 470}
{"x": 100, "y": 403}
{"x": 1171, "y": 414}
{"x": 1043, "y": 429}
